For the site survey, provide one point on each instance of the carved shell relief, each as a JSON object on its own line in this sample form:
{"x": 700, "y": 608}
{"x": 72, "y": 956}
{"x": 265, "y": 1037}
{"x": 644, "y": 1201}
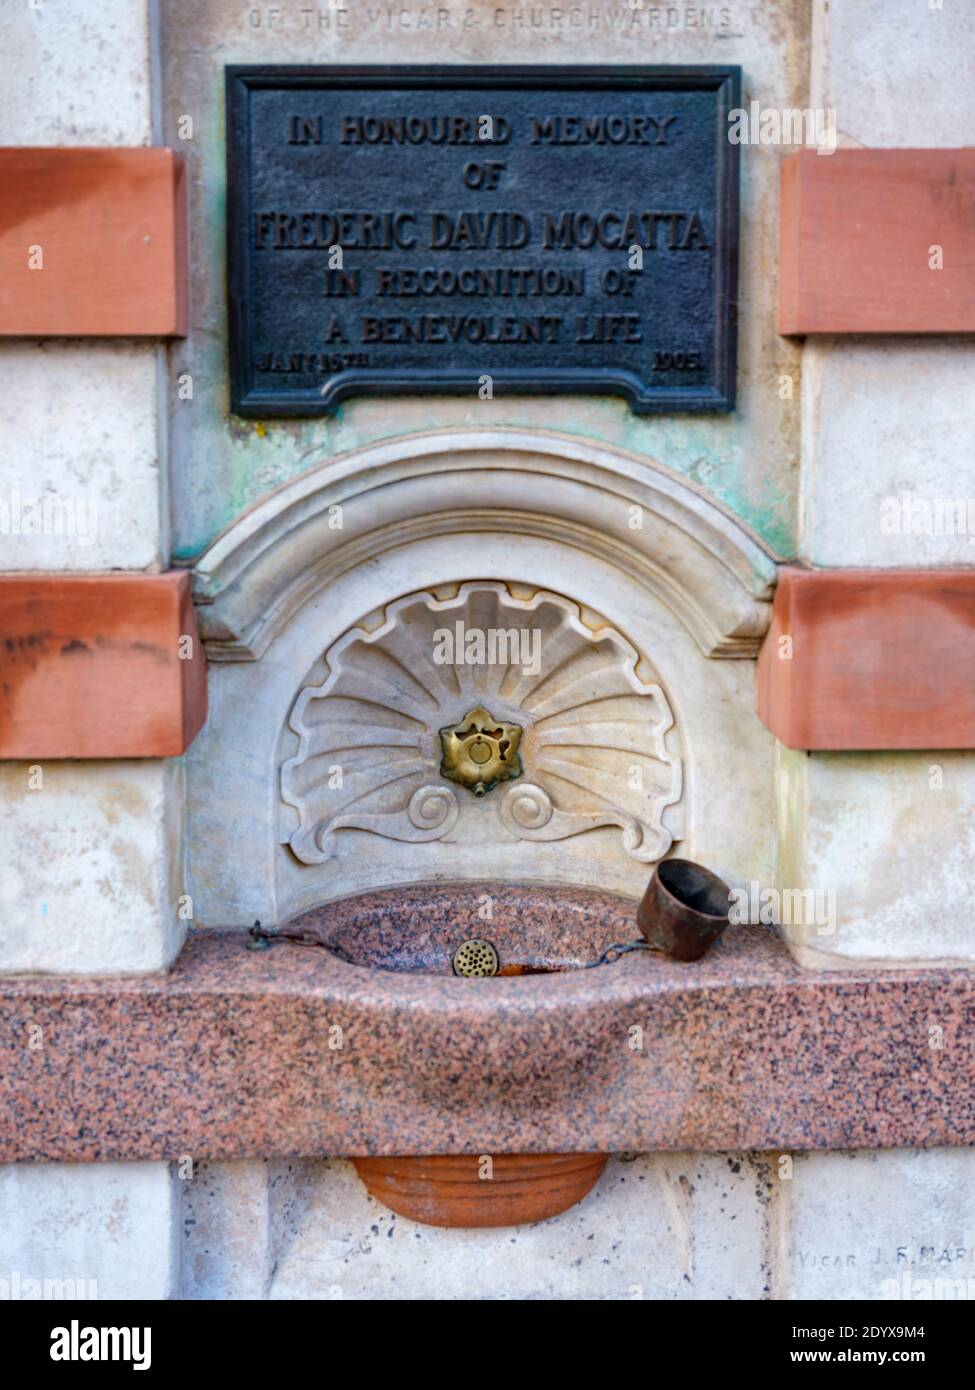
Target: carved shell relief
{"x": 595, "y": 745}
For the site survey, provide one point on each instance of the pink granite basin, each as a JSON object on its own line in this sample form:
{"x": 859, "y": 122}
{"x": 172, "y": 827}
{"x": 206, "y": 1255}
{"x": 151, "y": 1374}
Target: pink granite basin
{"x": 294, "y": 1051}
{"x": 535, "y": 930}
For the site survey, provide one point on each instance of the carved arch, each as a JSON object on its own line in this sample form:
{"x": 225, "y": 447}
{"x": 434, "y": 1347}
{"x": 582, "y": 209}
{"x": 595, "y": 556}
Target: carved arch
{"x": 677, "y": 542}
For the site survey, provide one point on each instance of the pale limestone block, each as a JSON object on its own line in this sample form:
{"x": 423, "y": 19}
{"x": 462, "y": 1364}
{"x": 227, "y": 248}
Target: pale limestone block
{"x": 237, "y": 1218}
{"x": 670, "y": 1226}
{"x": 895, "y": 71}
{"x": 891, "y": 836}
{"x": 888, "y": 1225}
{"x": 112, "y": 1228}
{"x": 888, "y": 450}
{"x": 91, "y": 866}
{"x": 226, "y": 1231}
{"x": 76, "y": 73}
{"x": 83, "y": 468}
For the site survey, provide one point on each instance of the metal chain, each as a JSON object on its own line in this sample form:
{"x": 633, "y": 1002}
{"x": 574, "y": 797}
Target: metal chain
{"x": 262, "y": 940}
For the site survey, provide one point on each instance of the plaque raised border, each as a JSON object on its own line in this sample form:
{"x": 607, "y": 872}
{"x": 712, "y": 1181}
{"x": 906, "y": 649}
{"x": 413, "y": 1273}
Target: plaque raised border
{"x": 718, "y": 395}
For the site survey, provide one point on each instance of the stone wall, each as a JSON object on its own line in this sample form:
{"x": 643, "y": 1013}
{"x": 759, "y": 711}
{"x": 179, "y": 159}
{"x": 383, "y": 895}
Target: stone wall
{"x": 90, "y": 853}
{"x": 882, "y": 418}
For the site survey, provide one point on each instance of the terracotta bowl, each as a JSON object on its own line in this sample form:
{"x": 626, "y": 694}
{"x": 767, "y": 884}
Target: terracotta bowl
{"x": 455, "y": 1191}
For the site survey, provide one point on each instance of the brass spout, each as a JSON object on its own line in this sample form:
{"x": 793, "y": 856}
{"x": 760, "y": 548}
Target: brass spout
{"x": 480, "y": 752}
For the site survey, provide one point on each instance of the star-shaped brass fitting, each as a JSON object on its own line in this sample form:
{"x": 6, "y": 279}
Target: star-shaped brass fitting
{"x": 480, "y": 752}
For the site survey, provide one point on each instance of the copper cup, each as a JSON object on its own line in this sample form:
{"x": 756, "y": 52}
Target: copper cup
{"x": 685, "y": 909}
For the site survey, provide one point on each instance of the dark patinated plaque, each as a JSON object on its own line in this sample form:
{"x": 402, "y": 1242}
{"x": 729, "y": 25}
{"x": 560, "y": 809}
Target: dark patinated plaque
{"x": 481, "y": 231}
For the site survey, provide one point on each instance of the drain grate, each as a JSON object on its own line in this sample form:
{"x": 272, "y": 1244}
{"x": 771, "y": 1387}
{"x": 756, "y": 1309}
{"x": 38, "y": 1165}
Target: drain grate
{"x": 475, "y": 957}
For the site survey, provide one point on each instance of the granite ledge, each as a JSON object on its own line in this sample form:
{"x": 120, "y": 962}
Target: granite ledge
{"x": 233, "y": 1054}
